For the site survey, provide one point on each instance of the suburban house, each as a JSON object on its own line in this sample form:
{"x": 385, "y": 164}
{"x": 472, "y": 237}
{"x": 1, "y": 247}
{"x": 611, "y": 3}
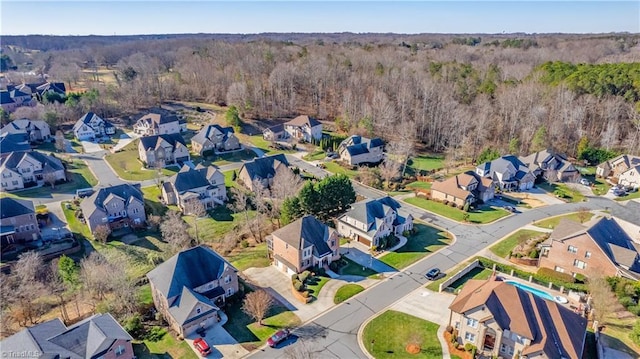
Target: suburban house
{"x": 508, "y": 173}
{"x": 18, "y": 222}
{"x": 204, "y": 184}
{"x": 120, "y": 206}
{"x": 617, "y": 166}
{"x": 604, "y": 248}
{"x": 163, "y": 150}
{"x": 214, "y": 138}
{"x": 90, "y": 126}
{"x": 303, "y": 128}
{"x": 13, "y": 98}
{"x": 13, "y": 142}
{"x": 190, "y": 287}
{"x": 628, "y": 217}
{"x": 357, "y": 150}
{"x": 631, "y": 177}
{"x": 502, "y": 320}
{"x": 262, "y": 169}
{"x": 551, "y": 166}
{"x": 158, "y": 122}
{"x": 303, "y": 244}
{"x": 97, "y": 337}
{"x": 29, "y": 168}
{"x": 464, "y": 188}
{"x": 36, "y": 130}
{"x": 368, "y": 221}
{"x": 38, "y": 89}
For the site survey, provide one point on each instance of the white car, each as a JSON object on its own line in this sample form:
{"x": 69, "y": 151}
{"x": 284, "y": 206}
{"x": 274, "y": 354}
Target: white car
{"x": 585, "y": 182}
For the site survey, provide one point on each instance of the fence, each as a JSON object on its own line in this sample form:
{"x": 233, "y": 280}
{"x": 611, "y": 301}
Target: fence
{"x": 459, "y": 275}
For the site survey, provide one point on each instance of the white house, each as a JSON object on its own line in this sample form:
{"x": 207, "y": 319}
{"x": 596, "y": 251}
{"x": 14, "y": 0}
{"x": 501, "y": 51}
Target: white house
{"x": 90, "y": 126}
{"x": 303, "y": 128}
{"x": 158, "y": 123}
{"x": 37, "y": 130}
{"x": 630, "y": 177}
{"x": 356, "y": 150}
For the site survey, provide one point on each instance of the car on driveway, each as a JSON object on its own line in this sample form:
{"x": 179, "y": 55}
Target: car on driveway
{"x": 433, "y": 274}
{"x": 584, "y": 181}
{"x": 511, "y": 209}
{"x": 278, "y": 337}
{"x": 202, "y": 346}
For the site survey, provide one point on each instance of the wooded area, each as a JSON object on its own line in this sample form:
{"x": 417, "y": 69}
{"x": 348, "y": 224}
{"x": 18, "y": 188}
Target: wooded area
{"x": 454, "y": 94}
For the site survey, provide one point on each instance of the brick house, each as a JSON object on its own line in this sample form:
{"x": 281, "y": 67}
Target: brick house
{"x": 603, "y": 248}
{"x": 18, "y": 222}
{"x": 357, "y": 150}
{"x": 97, "y": 337}
{"x": 464, "y": 188}
{"x": 120, "y": 206}
{"x": 190, "y": 287}
{"x": 262, "y": 169}
{"x": 368, "y": 221}
{"x": 303, "y": 244}
{"x": 505, "y": 321}
{"x": 163, "y": 150}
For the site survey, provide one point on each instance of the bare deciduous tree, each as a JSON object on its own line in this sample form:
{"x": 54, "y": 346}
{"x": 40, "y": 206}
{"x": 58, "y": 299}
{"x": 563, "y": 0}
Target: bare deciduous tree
{"x": 175, "y": 231}
{"x": 26, "y": 282}
{"x": 101, "y": 233}
{"x": 257, "y": 304}
{"x": 239, "y": 202}
{"x": 196, "y": 209}
{"x": 50, "y": 177}
{"x": 389, "y": 169}
{"x": 583, "y": 214}
{"x": 603, "y": 302}
{"x": 93, "y": 271}
{"x": 285, "y": 184}
{"x": 60, "y": 145}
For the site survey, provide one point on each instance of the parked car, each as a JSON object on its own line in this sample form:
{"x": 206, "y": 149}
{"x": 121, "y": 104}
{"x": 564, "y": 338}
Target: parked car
{"x": 584, "y": 181}
{"x": 617, "y": 191}
{"x": 202, "y": 346}
{"x": 511, "y": 209}
{"x": 278, "y": 337}
{"x": 84, "y": 192}
{"x": 433, "y": 274}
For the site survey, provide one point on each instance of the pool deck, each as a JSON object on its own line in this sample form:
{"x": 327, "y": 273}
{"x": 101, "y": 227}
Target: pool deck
{"x": 573, "y": 303}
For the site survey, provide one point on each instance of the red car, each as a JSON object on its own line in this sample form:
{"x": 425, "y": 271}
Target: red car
{"x": 278, "y": 337}
{"x": 202, "y": 346}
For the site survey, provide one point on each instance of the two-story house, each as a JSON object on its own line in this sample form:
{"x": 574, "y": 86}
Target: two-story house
{"x": 36, "y": 130}
{"x": 163, "y": 150}
{"x": 615, "y": 167}
{"x": 24, "y": 169}
{"x": 116, "y": 207}
{"x": 158, "y": 123}
{"x": 464, "y": 188}
{"x": 603, "y": 248}
{"x": 303, "y": 128}
{"x": 13, "y": 142}
{"x": 303, "y": 244}
{"x": 357, "y": 150}
{"x": 631, "y": 177}
{"x": 368, "y": 221}
{"x": 204, "y": 184}
{"x": 18, "y": 222}
{"x": 13, "y": 98}
{"x": 262, "y": 169}
{"x": 502, "y": 320}
{"x": 215, "y": 138}
{"x": 97, "y": 337}
{"x": 551, "y": 166}
{"x": 508, "y": 173}
{"x": 90, "y": 126}
{"x": 190, "y": 287}
{"x": 628, "y": 218}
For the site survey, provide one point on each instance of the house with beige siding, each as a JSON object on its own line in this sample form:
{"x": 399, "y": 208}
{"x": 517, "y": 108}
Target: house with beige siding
{"x": 263, "y": 170}
{"x": 190, "y": 288}
{"x": 163, "y": 150}
{"x": 368, "y": 221}
{"x": 303, "y": 244}
{"x": 18, "y": 222}
{"x": 508, "y": 173}
{"x": 215, "y": 138}
{"x": 603, "y": 248}
{"x": 203, "y": 184}
{"x": 29, "y": 168}
{"x": 356, "y": 150}
{"x": 551, "y": 166}
{"x": 613, "y": 168}
{"x": 116, "y": 207}
{"x": 158, "y": 122}
{"x": 465, "y": 188}
{"x": 502, "y": 320}
{"x": 36, "y": 130}
{"x": 630, "y": 177}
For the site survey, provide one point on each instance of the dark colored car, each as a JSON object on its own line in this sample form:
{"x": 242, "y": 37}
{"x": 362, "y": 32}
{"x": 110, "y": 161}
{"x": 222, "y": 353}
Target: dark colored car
{"x": 202, "y": 346}
{"x": 278, "y": 337}
{"x": 433, "y": 274}
{"x": 511, "y": 209}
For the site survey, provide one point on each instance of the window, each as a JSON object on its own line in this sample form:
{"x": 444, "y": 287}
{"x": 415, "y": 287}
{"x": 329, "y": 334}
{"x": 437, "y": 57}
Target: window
{"x": 559, "y": 269}
{"x": 503, "y": 348}
{"x": 572, "y": 249}
{"x": 472, "y": 323}
{"x": 470, "y": 337}
{"x": 198, "y": 310}
{"x": 587, "y": 254}
{"x": 120, "y": 350}
{"x": 227, "y": 279}
{"x": 333, "y": 242}
{"x": 229, "y": 292}
{"x": 580, "y": 264}
{"x": 15, "y": 183}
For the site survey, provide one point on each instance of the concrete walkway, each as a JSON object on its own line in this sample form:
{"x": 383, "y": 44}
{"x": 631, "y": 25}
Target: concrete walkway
{"x": 360, "y": 254}
{"x": 222, "y": 344}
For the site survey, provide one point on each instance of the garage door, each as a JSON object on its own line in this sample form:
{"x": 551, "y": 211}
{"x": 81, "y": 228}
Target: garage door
{"x": 364, "y": 241}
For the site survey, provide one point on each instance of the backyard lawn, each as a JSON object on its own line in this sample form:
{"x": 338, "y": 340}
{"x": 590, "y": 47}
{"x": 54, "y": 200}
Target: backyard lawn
{"x": 220, "y": 221}
{"x": 435, "y": 285}
{"x": 407, "y": 330}
{"x": 476, "y": 273}
{"x": 419, "y": 185}
{"x": 424, "y": 163}
{"x": 426, "y": 240}
{"x": 128, "y": 166}
{"x": 237, "y": 156}
{"x": 315, "y": 156}
{"x": 347, "y": 291}
{"x": 243, "y": 258}
{"x": 504, "y": 247}
{"x": 167, "y": 347}
{"x": 483, "y": 215}
{"x": 553, "y": 222}
{"x": 80, "y": 230}
{"x": 151, "y": 195}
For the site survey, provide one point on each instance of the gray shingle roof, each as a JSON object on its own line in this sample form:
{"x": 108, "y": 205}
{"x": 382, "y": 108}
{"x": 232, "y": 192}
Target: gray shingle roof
{"x": 264, "y": 167}
{"x": 188, "y": 178}
{"x": 191, "y": 268}
{"x": 500, "y": 165}
{"x": 356, "y": 145}
{"x": 210, "y": 132}
{"x": 5, "y": 98}
{"x": 11, "y": 207}
{"x": 609, "y": 235}
{"x": 14, "y": 142}
{"x": 629, "y": 212}
{"x": 307, "y": 231}
{"x": 96, "y": 200}
{"x": 369, "y": 211}
{"x": 276, "y": 129}
{"x": 152, "y": 141}
{"x": 186, "y": 303}
{"x": 304, "y": 120}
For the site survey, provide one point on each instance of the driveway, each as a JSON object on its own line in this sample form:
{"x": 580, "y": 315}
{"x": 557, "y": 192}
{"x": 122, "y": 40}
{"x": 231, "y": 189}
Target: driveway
{"x": 359, "y": 253}
{"x": 426, "y": 304}
{"x": 222, "y": 344}
{"x": 90, "y": 147}
{"x": 58, "y": 227}
{"x": 125, "y": 139}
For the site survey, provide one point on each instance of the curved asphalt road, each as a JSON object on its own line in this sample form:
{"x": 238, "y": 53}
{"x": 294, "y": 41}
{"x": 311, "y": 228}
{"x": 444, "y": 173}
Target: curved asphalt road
{"x": 333, "y": 334}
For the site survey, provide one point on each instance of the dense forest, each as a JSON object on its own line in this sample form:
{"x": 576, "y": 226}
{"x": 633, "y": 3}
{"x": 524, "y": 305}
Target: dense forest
{"x": 457, "y": 94}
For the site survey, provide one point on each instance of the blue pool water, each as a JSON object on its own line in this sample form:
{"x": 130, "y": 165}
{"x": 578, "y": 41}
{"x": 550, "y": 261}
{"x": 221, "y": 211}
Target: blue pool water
{"x": 535, "y": 291}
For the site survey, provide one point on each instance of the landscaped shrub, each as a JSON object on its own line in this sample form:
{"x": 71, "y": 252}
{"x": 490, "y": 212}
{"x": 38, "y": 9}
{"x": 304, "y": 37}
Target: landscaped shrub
{"x": 454, "y": 336}
{"x": 297, "y": 285}
{"x": 549, "y": 275}
{"x": 635, "y": 309}
{"x": 304, "y": 276}
{"x": 635, "y": 333}
{"x": 294, "y": 277}
{"x": 504, "y": 268}
{"x": 133, "y": 325}
{"x": 466, "y": 207}
{"x": 453, "y": 204}
{"x": 445, "y": 202}
{"x": 305, "y": 294}
{"x": 449, "y": 329}
{"x": 627, "y": 302}
{"x": 534, "y": 253}
{"x": 468, "y": 347}
{"x": 155, "y": 334}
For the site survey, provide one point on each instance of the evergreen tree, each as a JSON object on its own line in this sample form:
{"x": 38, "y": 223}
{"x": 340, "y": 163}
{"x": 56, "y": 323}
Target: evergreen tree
{"x": 290, "y": 210}
{"x": 539, "y": 141}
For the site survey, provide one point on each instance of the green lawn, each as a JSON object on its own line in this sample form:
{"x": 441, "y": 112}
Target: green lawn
{"x": 424, "y": 163}
{"x": 315, "y": 156}
{"x": 228, "y": 179}
{"x": 135, "y": 256}
{"x": 562, "y": 191}
{"x": 426, "y": 240}
{"x": 353, "y": 268}
{"x": 75, "y": 226}
{"x": 476, "y": 273}
{"x": 504, "y": 247}
{"x": 435, "y": 285}
{"x": 250, "y": 257}
{"x": 334, "y": 167}
{"x": 167, "y": 347}
{"x": 419, "y": 185}
{"x": 129, "y": 167}
{"x": 553, "y": 222}
{"x": 483, "y": 215}
{"x": 388, "y": 335}
{"x": 314, "y": 284}
{"x": 221, "y": 220}
{"x": 600, "y": 186}
{"x": 151, "y": 199}
{"x": 231, "y": 157}
{"x": 347, "y": 291}
{"x": 629, "y": 196}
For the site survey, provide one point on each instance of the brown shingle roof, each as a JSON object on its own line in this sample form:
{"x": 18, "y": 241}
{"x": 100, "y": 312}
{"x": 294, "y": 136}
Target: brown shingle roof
{"x": 566, "y": 228}
{"x": 303, "y": 120}
{"x": 450, "y": 187}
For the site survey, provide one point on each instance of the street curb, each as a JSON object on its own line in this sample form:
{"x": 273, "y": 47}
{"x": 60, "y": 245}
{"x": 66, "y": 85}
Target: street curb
{"x": 455, "y": 221}
{"x": 91, "y": 170}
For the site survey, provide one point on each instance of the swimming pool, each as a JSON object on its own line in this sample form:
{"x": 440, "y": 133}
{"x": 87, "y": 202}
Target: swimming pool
{"x": 539, "y": 293}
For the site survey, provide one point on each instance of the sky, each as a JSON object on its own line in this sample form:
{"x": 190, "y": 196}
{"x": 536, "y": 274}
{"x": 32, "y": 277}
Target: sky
{"x": 120, "y": 17}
